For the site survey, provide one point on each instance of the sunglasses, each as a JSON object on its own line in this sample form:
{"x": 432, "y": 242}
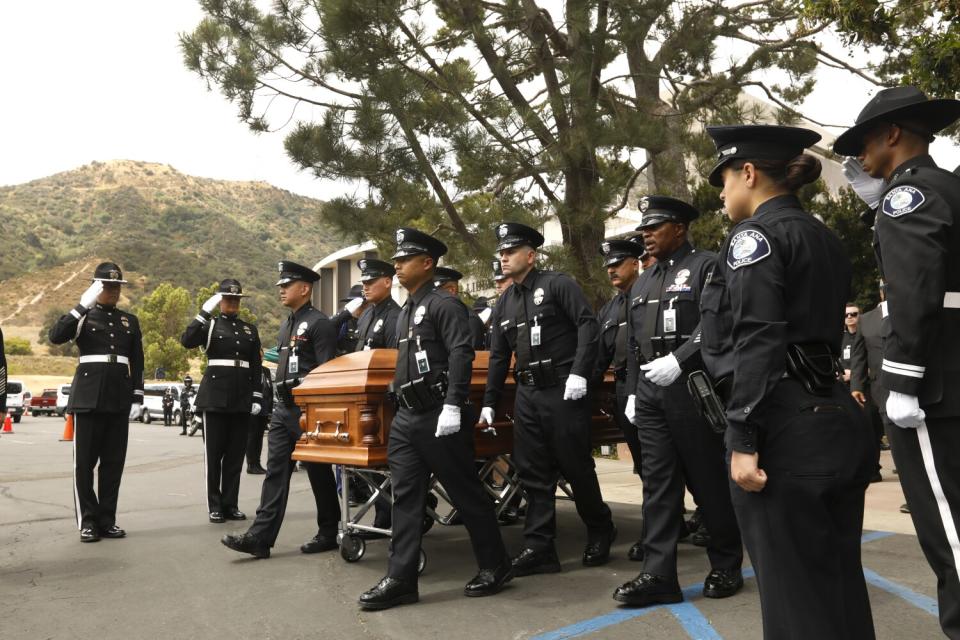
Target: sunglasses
{"x": 853, "y": 314}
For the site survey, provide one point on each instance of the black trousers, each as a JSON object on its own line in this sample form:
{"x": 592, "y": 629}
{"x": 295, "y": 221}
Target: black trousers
{"x": 678, "y": 446}
{"x": 183, "y": 418}
{"x": 803, "y": 529}
{"x": 258, "y": 424}
{"x": 413, "y": 453}
{"x": 552, "y": 437}
{"x": 98, "y": 438}
{"x": 167, "y": 416}
{"x": 224, "y": 438}
{"x": 939, "y": 442}
{"x": 628, "y": 428}
{"x": 281, "y": 440}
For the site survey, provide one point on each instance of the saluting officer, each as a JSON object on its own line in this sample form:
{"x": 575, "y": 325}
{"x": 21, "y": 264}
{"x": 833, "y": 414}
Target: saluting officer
{"x": 545, "y": 319}
{"x": 107, "y": 392}
{"x": 677, "y": 444}
{"x": 230, "y": 393}
{"x": 346, "y": 320}
{"x": 307, "y": 339}
{"x": 449, "y": 279}
{"x": 917, "y": 242}
{"x": 433, "y": 429}
{"x": 800, "y": 449}
{"x": 621, "y": 259}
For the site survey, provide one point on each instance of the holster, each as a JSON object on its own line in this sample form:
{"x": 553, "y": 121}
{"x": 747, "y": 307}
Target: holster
{"x": 285, "y": 390}
{"x": 707, "y": 400}
{"x": 665, "y": 345}
{"x": 541, "y": 374}
{"x": 814, "y": 366}
{"x": 420, "y": 395}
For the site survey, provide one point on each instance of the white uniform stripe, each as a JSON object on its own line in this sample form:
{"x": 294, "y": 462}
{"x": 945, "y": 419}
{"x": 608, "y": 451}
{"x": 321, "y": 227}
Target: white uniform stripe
{"x": 901, "y": 365}
{"x": 204, "y": 436}
{"x": 901, "y": 372}
{"x": 75, "y": 313}
{"x": 946, "y": 516}
{"x": 76, "y": 494}
{"x": 202, "y": 319}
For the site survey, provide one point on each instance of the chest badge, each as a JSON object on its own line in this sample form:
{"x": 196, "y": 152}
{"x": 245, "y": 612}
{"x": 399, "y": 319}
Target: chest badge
{"x": 538, "y": 296}
{"x": 420, "y": 313}
{"x": 302, "y": 328}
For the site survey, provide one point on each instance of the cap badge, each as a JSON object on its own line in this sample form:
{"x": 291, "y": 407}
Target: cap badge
{"x": 729, "y": 151}
{"x": 234, "y": 289}
{"x": 643, "y": 204}
{"x": 114, "y": 275}
{"x": 280, "y": 267}
{"x": 399, "y": 236}
{"x": 502, "y": 231}
{"x": 538, "y": 296}
{"x": 605, "y": 247}
{"x": 363, "y": 265}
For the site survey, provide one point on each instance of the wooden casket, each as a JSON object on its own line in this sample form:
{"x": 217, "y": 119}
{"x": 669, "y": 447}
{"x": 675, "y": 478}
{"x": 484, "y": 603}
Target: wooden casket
{"x": 346, "y": 414}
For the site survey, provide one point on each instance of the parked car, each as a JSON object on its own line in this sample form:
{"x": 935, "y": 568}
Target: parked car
{"x": 44, "y": 404}
{"x": 153, "y": 401}
{"x": 17, "y": 396}
{"x": 63, "y": 395}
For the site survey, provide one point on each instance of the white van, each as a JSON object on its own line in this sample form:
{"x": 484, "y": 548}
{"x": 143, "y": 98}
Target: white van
{"x": 17, "y": 398}
{"x": 63, "y": 395}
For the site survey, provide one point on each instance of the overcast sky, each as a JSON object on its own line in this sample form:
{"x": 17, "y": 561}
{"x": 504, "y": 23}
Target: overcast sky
{"x": 104, "y": 80}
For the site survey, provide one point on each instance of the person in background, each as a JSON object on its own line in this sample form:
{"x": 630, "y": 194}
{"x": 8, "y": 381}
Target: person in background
{"x": 449, "y": 279}
{"x": 259, "y": 422}
{"x": 346, "y": 320}
{"x": 850, "y": 321}
{"x": 168, "y": 402}
{"x": 866, "y": 356}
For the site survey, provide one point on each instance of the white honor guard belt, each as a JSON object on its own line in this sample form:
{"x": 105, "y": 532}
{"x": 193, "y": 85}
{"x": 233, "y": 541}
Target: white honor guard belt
{"x": 951, "y": 300}
{"x": 107, "y": 357}
{"x": 243, "y": 364}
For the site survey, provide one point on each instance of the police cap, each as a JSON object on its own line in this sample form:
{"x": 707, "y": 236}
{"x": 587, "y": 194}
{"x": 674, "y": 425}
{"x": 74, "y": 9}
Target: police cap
{"x": 446, "y": 274}
{"x": 231, "y": 288}
{"x": 497, "y": 271}
{"x": 616, "y": 251}
{"x": 757, "y": 142}
{"x": 291, "y": 271}
{"x": 108, "y": 272}
{"x": 658, "y": 209}
{"x": 371, "y": 269}
{"x": 356, "y": 291}
{"x": 412, "y": 242}
{"x": 514, "y": 234}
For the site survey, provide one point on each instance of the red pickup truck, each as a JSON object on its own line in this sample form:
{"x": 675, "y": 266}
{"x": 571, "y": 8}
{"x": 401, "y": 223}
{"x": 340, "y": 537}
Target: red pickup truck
{"x": 45, "y": 403}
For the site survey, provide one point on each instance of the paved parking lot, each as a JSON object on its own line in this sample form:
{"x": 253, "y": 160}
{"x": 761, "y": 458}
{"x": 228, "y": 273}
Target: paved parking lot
{"x": 171, "y": 578}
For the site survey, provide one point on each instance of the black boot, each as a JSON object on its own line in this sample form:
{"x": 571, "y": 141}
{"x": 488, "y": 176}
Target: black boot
{"x": 389, "y": 592}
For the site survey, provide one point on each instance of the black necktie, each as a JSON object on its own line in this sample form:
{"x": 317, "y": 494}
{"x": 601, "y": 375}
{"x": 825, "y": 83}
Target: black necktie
{"x": 651, "y": 315}
{"x": 524, "y": 349}
{"x": 620, "y": 352}
{"x": 402, "y": 374}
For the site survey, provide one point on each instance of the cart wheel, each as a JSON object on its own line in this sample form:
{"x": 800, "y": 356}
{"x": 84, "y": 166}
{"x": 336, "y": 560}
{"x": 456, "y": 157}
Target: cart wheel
{"x": 352, "y": 548}
{"x": 422, "y": 564}
{"x": 427, "y": 524}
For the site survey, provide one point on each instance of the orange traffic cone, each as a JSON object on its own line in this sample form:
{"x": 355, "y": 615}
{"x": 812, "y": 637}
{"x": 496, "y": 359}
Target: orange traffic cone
{"x": 8, "y": 425}
{"x": 68, "y": 429}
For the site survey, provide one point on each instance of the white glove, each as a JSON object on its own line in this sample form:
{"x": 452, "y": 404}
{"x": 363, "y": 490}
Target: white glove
{"x": 904, "y": 411}
{"x": 353, "y": 305}
{"x": 631, "y": 409}
{"x": 486, "y": 415}
{"x": 212, "y": 302}
{"x": 485, "y": 315}
{"x": 576, "y": 387}
{"x": 255, "y": 409}
{"x": 663, "y": 371}
{"x": 89, "y": 297}
{"x": 449, "y": 421}
{"x": 135, "y": 411}
{"x": 869, "y": 189}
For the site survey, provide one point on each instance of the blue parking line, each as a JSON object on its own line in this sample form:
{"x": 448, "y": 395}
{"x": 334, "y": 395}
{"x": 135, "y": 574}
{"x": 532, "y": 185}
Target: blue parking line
{"x": 870, "y": 536}
{"x": 918, "y": 600}
{"x": 693, "y": 622}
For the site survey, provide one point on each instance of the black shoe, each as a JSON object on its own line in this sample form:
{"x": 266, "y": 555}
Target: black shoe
{"x": 701, "y": 538}
{"x": 722, "y": 583}
{"x": 636, "y": 551}
{"x": 693, "y": 524}
{"x": 904, "y": 508}
{"x": 217, "y": 518}
{"x": 876, "y": 477}
{"x": 508, "y": 516}
{"x": 597, "y": 552}
{"x": 183, "y": 433}
{"x": 234, "y": 514}
{"x": 489, "y": 581}
{"x": 256, "y": 471}
{"x": 389, "y": 592}
{"x": 529, "y": 562}
{"x": 113, "y": 531}
{"x": 319, "y": 543}
{"x": 246, "y": 543}
{"x": 90, "y": 534}
{"x": 647, "y": 589}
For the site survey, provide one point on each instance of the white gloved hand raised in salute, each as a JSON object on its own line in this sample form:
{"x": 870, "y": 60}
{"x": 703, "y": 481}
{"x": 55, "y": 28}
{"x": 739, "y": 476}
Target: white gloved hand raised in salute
{"x": 353, "y": 305}
{"x": 869, "y": 189}
{"x": 212, "y": 303}
{"x": 449, "y": 421}
{"x": 576, "y": 387}
{"x": 89, "y": 297}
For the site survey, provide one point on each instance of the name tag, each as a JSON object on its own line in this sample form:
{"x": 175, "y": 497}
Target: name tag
{"x": 293, "y": 364}
{"x": 846, "y": 352}
{"x": 669, "y": 320}
{"x": 535, "y": 335}
{"x": 423, "y": 363}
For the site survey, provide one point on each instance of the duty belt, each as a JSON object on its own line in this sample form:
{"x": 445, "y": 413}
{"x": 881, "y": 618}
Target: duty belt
{"x": 243, "y": 364}
{"x": 107, "y": 357}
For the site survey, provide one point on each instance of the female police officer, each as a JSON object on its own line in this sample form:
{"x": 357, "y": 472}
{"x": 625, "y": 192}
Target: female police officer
{"x": 800, "y": 451}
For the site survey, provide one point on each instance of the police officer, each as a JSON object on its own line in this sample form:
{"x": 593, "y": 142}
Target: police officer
{"x": 449, "y": 279}
{"x": 545, "y": 319}
{"x": 230, "y": 393}
{"x": 307, "y": 339}
{"x": 432, "y": 431}
{"x": 917, "y": 242}
{"x": 621, "y": 259}
{"x": 800, "y": 450}
{"x": 185, "y": 410}
{"x": 346, "y": 320}
{"x": 106, "y": 393}
{"x": 850, "y": 321}
{"x": 259, "y": 422}
{"x": 168, "y": 403}
{"x": 677, "y": 444}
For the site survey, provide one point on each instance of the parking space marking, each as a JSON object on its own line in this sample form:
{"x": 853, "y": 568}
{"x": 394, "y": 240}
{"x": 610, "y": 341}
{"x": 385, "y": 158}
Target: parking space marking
{"x": 918, "y": 600}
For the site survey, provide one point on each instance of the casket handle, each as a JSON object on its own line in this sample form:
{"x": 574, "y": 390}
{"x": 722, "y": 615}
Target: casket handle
{"x": 341, "y": 436}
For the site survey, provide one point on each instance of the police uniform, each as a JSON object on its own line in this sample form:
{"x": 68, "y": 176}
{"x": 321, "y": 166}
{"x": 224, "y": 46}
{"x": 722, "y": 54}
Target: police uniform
{"x": 432, "y": 381}
{"x": 108, "y": 380}
{"x": 168, "y": 403}
{"x": 917, "y": 243}
{"x": 677, "y": 445}
{"x": 258, "y": 424}
{"x": 346, "y": 323}
{"x": 307, "y": 339}
{"x": 548, "y": 323}
{"x": 188, "y": 392}
{"x": 229, "y": 388}
{"x": 770, "y": 312}
{"x": 477, "y": 329}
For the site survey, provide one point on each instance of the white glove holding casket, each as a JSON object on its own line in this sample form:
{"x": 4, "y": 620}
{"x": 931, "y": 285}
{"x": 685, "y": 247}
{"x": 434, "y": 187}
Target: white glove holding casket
{"x": 904, "y": 411}
{"x": 663, "y": 371}
{"x": 255, "y": 409}
{"x": 869, "y": 189}
{"x": 449, "y": 421}
{"x": 135, "y": 411}
{"x": 212, "y": 302}
{"x": 353, "y": 305}
{"x": 631, "y": 409}
{"x": 89, "y": 297}
{"x": 486, "y": 415}
{"x": 576, "y": 387}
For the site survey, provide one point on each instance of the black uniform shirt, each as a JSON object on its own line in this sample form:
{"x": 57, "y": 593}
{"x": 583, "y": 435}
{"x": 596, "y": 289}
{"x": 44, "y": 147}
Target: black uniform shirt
{"x": 783, "y": 278}
{"x": 613, "y": 334}
{"x": 309, "y": 335}
{"x": 478, "y": 332}
{"x": 569, "y": 332}
{"x": 846, "y": 348}
{"x": 435, "y": 321}
{"x": 377, "y": 327}
{"x": 226, "y": 388}
{"x": 917, "y": 242}
{"x": 110, "y": 387}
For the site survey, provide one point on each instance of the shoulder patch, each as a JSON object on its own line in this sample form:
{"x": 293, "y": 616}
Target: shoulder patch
{"x": 747, "y": 247}
{"x": 900, "y": 201}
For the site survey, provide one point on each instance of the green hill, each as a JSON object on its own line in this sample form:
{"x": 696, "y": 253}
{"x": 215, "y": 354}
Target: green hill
{"x": 160, "y": 225}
